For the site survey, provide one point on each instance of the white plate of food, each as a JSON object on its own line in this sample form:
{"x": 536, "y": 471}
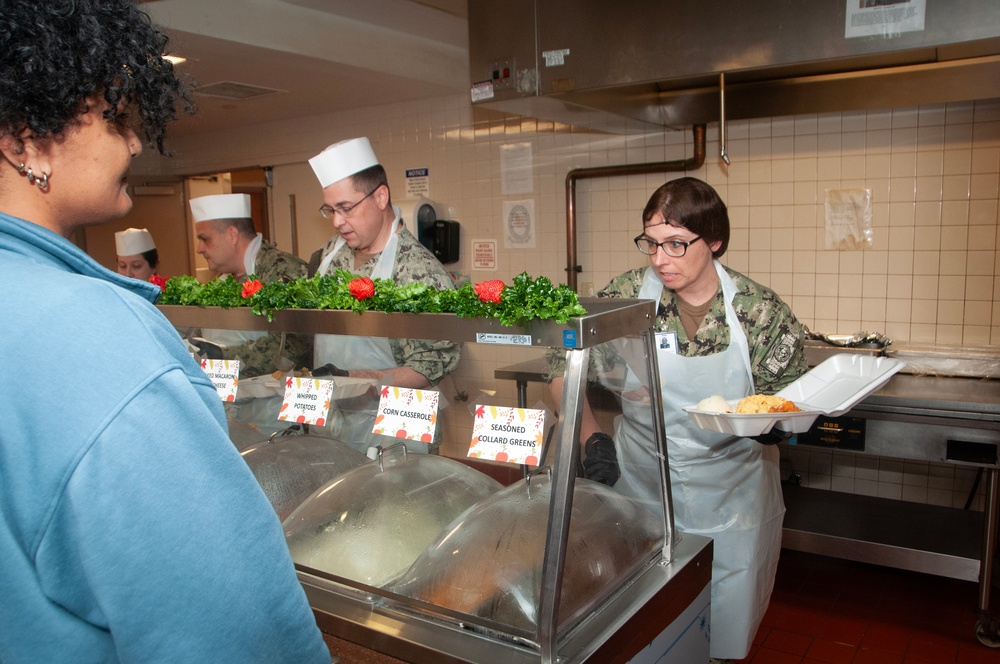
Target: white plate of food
{"x": 831, "y": 388}
{"x": 706, "y": 415}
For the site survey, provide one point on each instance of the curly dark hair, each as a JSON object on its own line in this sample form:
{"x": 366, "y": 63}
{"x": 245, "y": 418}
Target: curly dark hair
{"x": 57, "y": 53}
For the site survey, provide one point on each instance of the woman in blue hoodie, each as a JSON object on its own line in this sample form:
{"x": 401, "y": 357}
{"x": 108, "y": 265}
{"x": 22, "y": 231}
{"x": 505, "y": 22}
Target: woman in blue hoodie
{"x": 130, "y": 528}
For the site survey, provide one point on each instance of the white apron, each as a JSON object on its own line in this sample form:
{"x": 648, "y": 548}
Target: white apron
{"x": 352, "y": 421}
{"x": 724, "y": 487}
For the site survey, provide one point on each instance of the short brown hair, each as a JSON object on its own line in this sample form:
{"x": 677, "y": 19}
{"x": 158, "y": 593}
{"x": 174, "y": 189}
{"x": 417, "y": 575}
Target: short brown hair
{"x": 370, "y": 179}
{"x": 694, "y": 205}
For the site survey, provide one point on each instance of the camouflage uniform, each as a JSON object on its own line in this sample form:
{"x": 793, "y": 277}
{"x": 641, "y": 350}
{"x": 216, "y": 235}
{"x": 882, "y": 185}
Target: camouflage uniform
{"x": 774, "y": 335}
{"x": 260, "y": 356}
{"x": 431, "y": 359}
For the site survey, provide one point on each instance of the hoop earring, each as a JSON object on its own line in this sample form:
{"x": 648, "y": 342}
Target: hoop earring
{"x": 41, "y": 180}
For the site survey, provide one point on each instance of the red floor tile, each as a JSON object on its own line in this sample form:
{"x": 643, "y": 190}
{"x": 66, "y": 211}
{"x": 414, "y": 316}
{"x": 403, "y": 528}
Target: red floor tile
{"x": 785, "y": 641}
{"x": 831, "y": 652}
{"x": 926, "y": 646}
{"x": 865, "y": 656}
{"x": 886, "y": 637}
{"x": 768, "y": 656}
{"x": 802, "y": 620}
{"x": 828, "y": 611}
{"x": 843, "y": 629}
{"x": 761, "y": 635}
{"x": 969, "y": 653}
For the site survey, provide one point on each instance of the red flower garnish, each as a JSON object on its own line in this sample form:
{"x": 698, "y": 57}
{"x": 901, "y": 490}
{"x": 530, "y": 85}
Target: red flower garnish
{"x": 490, "y": 291}
{"x": 251, "y": 287}
{"x": 158, "y": 281}
{"x": 361, "y": 288}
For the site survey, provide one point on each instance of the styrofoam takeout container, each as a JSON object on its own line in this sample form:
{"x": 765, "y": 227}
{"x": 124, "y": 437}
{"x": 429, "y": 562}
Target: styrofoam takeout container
{"x": 831, "y": 388}
{"x": 753, "y": 424}
{"x": 835, "y": 385}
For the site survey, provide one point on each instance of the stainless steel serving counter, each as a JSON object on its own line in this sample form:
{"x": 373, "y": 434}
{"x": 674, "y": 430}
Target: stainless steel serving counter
{"x": 656, "y": 608}
{"x": 930, "y": 418}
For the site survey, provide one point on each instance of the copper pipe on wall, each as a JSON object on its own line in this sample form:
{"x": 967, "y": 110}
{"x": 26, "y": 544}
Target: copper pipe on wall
{"x": 722, "y": 118}
{"x": 693, "y": 163}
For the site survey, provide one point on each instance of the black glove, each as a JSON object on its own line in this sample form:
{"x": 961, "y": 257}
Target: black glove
{"x": 209, "y": 349}
{"x": 329, "y": 370}
{"x": 601, "y": 464}
{"x": 772, "y": 437}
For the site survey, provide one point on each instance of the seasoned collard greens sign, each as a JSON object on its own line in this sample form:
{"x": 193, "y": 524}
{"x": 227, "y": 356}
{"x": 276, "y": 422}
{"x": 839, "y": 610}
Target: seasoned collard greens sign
{"x": 513, "y": 435}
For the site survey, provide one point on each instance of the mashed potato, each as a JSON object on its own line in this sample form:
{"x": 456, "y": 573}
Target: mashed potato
{"x": 714, "y": 404}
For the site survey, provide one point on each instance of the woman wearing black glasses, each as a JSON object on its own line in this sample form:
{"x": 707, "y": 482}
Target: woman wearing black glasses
{"x": 718, "y": 333}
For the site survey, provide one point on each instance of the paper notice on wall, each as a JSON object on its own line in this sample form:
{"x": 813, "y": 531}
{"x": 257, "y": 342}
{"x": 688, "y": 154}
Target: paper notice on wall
{"x": 848, "y": 218}
{"x": 484, "y": 255}
{"x": 883, "y": 18}
{"x": 418, "y": 182}
{"x": 519, "y": 224}
{"x": 516, "y": 169}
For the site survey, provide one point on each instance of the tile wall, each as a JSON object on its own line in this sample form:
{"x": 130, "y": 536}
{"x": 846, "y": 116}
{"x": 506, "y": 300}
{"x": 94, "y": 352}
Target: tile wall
{"x": 929, "y": 276}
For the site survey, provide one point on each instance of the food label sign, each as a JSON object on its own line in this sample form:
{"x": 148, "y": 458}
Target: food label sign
{"x": 307, "y": 400}
{"x": 513, "y": 435}
{"x": 407, "y": 413}
{"x": 225, "y": 374}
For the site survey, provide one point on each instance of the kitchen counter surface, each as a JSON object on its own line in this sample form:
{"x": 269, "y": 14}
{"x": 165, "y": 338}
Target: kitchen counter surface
{"x": 976, "y": 398}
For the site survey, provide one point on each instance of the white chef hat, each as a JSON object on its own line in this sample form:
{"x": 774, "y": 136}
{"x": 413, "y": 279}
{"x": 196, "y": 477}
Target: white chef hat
{"x": 221, "y": 206}
{"x": 343, "y": 159}
{"x": 133, "y": 241}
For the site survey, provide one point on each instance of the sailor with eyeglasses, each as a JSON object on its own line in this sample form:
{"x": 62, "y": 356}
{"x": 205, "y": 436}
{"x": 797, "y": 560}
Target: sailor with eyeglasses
{"x": 371, "y": 240}
{"x": 718, "y": 332}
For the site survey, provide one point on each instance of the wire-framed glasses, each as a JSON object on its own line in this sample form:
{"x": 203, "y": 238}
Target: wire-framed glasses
{"x": 344, "y": 210}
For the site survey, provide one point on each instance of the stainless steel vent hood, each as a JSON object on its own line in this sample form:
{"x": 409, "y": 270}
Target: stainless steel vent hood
{"x": 639, "y": 63}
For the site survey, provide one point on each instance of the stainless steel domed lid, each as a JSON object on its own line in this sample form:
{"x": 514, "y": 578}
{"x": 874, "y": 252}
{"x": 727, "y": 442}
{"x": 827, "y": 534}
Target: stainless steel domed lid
{"x": 371, "y": 523}
{"x": 489, "y": 562}
{"x": 244, "y": 434}
{"x": 291, "y": 465}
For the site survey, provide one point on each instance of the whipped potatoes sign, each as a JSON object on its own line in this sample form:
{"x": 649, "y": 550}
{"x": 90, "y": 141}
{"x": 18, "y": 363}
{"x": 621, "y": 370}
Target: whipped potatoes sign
{"x": 225, "y": 374}
{"x": 307, "y": 400}
{"x": 513, "y": 435}
{"x": 407, "y": 413}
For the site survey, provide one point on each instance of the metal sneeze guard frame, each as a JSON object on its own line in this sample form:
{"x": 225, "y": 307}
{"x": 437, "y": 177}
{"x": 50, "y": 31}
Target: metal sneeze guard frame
{"x": 606, "y": 320}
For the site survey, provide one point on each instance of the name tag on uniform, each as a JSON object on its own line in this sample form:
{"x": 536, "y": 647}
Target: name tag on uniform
{"x": 666, "y": 342}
